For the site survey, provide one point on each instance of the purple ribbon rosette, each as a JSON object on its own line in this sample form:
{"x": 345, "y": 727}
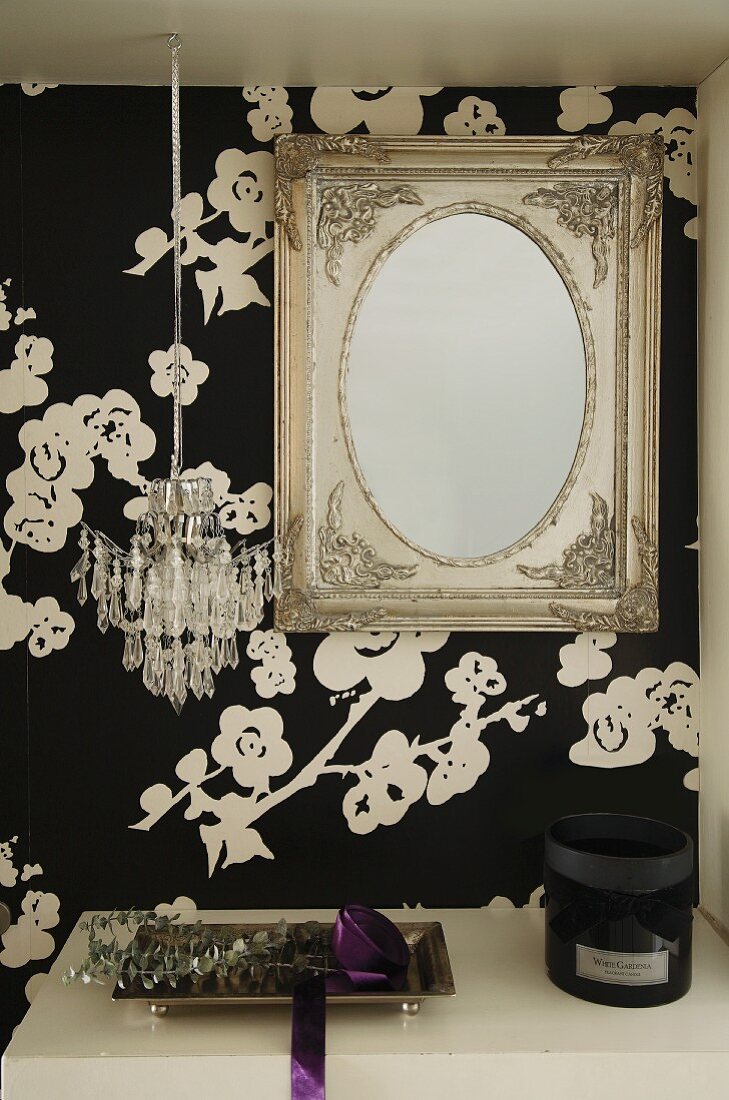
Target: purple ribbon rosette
{"x": 372, "y": 955}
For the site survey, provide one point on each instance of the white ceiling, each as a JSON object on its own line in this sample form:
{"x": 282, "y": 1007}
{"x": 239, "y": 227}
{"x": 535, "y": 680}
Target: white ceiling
{"x": 365, "y": 42}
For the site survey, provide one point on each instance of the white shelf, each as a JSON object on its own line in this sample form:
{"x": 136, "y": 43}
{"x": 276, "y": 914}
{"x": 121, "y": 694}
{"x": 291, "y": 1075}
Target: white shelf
{"x": 508, "y": 1034}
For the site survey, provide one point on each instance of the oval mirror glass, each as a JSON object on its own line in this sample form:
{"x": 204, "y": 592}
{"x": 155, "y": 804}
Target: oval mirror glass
{"x": 466, "y": 386}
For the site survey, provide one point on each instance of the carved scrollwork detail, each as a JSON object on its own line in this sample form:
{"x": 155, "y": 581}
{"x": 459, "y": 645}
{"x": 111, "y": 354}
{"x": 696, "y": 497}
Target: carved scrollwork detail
{"x": 297, "y": 154}
{"x": 348, "y": 213}
{"x": 589, "y": 562}
{"x": 295, "y": 610}
{"x": 640, "y": 154}
{"x": 637, "y": 609}
{"x": 586, "y": 209}
{"x": 349, "y": 561}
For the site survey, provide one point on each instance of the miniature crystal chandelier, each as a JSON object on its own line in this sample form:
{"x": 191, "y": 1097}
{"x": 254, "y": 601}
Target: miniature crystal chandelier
{"x": 182, "y": 592}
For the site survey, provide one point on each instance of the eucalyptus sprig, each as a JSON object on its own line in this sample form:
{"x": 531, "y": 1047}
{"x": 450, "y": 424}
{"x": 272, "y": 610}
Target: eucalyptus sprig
{"x": 168, "y": 951}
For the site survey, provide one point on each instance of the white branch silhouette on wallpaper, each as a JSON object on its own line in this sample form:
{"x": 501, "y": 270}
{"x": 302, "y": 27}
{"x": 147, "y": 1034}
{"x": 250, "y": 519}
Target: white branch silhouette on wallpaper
{"x": 243, "y": 190}
{"x": 251, "y": 746}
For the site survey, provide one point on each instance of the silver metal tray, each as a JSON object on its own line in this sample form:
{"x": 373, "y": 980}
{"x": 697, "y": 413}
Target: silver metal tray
{"x": 429, "y": 975}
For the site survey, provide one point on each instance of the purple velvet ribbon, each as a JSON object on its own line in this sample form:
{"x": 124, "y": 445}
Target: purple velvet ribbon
{"x": 372, "y": 955}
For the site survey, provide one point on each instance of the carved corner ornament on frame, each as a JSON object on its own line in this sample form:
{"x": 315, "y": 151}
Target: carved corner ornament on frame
{"x": 346, "y": 560}
{"x": 637, "y": 609}
{"x": 296, "y": 611}
{"x": 590, "y": 561}
{"x": 298, "y": 155}
{"x": 348, "y": 214}
{"x": 585, "y": 209}
{"x": 640, "y": 154}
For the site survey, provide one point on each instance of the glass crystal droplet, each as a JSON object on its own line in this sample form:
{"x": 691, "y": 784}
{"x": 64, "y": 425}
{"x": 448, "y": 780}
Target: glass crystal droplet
{"x": 208, "y": 682}
{"x": 148, "y": 673}
{"x": 137, "y": 649}
{"x": 258, "y": 598}
{"x": 134, "y": 590}
{"x": 80, "y": 567}
{"x": 98, "y": 581}
{"x": 115, "y": 614}
{"x": 196, "y": 681}
{"x": 127, "y": 661}
{"x": 215, "y": 657}
{"x": 82, "y": 594}
{"x": 148, "y": 615}
{"x": 233, "y": 653}
{"x": 221, "y": 587}
{"x": 178, "y": 657}
{"x": 102, "y": 618}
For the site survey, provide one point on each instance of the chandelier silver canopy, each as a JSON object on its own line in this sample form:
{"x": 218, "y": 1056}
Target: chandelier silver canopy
{"x": 181, "y": 593}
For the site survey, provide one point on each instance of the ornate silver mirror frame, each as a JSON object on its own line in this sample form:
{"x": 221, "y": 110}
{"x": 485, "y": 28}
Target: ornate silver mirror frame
{"x": 593, "y": 205}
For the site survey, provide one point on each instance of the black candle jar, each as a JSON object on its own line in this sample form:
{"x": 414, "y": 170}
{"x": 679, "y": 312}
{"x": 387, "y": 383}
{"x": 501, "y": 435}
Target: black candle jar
{"x": 618, "y": 892}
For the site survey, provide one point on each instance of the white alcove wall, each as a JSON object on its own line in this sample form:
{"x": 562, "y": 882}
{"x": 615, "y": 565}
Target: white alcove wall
{"x": 713, "y": 157}
{"x": 714, "y": 487}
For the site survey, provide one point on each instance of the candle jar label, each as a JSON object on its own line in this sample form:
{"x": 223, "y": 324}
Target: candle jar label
{"x": 622, "y": 968}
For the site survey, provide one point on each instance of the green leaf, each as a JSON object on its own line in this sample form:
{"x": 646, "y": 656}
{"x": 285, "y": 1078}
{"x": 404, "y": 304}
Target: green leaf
{"x": 147, "y": 982}
{"x": 205, "y": 964}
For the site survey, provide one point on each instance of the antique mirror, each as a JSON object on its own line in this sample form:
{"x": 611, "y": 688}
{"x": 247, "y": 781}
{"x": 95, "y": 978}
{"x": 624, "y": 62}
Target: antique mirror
{"x": 467, "y": 379}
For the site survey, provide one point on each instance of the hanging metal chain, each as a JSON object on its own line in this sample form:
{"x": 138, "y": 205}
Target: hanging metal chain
{"x": 174, "y": 44}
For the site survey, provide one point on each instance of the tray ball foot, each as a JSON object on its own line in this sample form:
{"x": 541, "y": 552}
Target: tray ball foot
{"x": 411, "y": 1008}
{"x": 159, "y": 1010}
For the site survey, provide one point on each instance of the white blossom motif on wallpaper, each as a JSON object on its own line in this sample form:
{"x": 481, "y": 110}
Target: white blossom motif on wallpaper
{"x": 242, "y": 191}
{"x": 59, "y": 459}
{"x": 30, "y": 88}
{"x": 623, "y": 721}
{"x": 584, "y": 106}
{"x": 21, "y": 383}
{"x": 474, "y": 117}
{"x": 586, "y": 659}
{"x": 272, "y": 115}
{"x": 182, "y": 907}
{"x": 29, "y": 938}
{"x": 251, "y": 746}
{"x": 193, "y": 373}
{"x": 276, "y": 675}
{"x": 380, "y": 110}
{"x": 534, "y": 902}
{"x": 678, "y": 130}
{"x": 8, "y": 870}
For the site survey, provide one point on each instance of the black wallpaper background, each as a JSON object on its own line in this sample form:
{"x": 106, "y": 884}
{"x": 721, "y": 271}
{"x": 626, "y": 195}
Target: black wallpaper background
{"x": 83, "y": 171}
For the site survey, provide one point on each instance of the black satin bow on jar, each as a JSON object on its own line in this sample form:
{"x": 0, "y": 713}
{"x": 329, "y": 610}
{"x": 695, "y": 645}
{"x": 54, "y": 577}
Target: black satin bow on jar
{"x": 666, "y": 913}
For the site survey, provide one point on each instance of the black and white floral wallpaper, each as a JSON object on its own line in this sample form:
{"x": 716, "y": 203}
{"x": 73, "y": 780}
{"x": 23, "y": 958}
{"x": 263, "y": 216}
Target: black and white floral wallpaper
{"x": 418, "y": 769}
